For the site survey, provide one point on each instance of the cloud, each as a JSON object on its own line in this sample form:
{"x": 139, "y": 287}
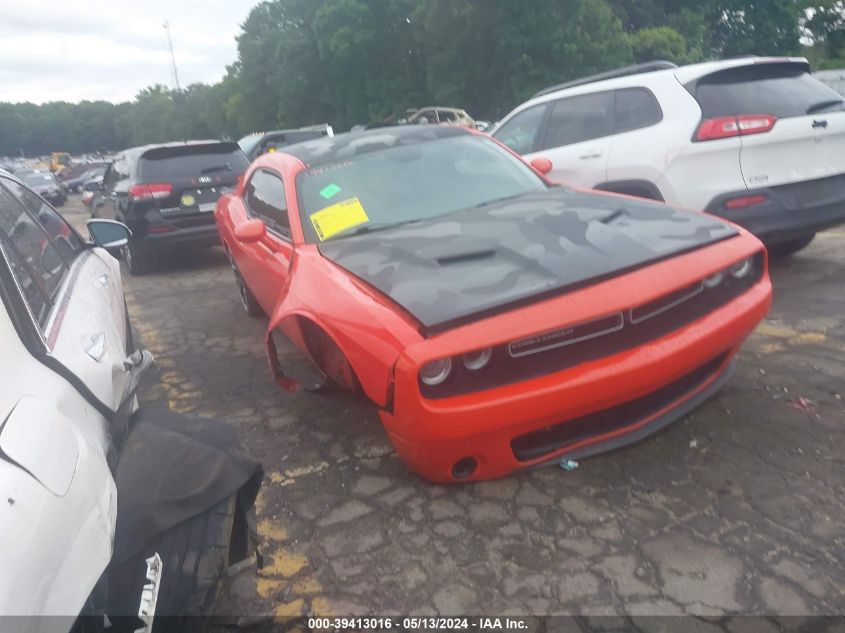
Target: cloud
{"x": 99, "y": 49}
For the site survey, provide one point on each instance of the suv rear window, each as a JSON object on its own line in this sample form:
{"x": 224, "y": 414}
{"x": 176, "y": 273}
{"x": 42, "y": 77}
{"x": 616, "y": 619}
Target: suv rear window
{"x": 783, "y": 90}
{"x": 189, "y": 161}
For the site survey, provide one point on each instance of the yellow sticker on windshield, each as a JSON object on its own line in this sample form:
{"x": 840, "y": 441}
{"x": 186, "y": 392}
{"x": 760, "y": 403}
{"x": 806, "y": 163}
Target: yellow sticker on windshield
{"x": 338, "y": 218}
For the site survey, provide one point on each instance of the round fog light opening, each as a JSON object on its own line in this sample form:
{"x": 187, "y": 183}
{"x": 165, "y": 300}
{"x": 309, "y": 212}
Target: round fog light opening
{"x": 436, "y": 372}
{"x": 464, "y": 468}
{"x": 742, "y": 268}
{"x": 713, "y": 280}
{"x": 476, "y": 361}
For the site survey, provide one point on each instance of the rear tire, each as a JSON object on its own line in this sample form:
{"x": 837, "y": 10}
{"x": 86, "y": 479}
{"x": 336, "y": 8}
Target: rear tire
{"x": 195, "y": 556}
{"x": 248, "y": 300}
{"x": 785, "y": 249}
{"x": 137, "y": 261}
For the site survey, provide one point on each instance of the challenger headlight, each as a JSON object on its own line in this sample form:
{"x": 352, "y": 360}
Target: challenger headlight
{"x": 742, "y": 268}
{"x": 436, "y": 372}
{"x": 713, "y": 280}
{"x": 478, "y": 360}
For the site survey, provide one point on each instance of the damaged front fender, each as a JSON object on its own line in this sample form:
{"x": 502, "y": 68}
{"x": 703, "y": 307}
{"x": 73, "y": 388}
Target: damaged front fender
{"x": 345, "y": 330}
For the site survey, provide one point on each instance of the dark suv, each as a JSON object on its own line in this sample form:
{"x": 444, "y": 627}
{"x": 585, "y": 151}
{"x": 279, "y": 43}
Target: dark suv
{"x": 166, "y": 195}
{"x": 258, "y": 143}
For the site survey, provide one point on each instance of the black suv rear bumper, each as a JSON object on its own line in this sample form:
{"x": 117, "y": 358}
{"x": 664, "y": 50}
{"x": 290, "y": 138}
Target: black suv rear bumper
{"x": 789, "y": 212}
{"x": 194, "y": 237}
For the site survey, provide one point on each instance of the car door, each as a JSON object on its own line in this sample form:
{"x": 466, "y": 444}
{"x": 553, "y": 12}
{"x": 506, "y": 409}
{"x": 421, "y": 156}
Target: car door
{"x": 265, "y": 264}
{"x": 58, "y": 521}
{"x": 78, "y": 291}
{"x": 576, "y": 138}
{"x": 634, "y": 155}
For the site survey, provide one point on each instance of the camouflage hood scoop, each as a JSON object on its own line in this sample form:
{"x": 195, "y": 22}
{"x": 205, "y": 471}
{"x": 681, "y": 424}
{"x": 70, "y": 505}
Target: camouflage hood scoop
{"x": 476, "y": 262}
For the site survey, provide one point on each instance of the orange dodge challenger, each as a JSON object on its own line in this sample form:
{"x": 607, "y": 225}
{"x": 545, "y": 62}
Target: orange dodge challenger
{"x": 495, "y": 320}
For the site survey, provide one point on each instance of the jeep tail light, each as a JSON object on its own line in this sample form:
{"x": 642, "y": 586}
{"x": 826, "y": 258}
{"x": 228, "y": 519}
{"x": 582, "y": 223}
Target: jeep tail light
{"x": 152, "y": 191}
{"x": 729, "y": 126}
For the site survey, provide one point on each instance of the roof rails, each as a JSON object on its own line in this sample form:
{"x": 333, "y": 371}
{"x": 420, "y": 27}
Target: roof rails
{"x": 636, "y": 69}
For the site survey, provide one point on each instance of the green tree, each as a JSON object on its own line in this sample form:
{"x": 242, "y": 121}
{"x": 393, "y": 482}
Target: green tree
{"x": 662, "y": 42}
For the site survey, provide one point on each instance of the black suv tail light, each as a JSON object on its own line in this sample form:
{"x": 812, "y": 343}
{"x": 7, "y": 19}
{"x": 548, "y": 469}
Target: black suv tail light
{"x": 152, "y": 191}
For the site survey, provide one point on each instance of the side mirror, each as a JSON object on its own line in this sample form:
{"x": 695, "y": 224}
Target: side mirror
{"x": 250, "y": 231}
{"x": 543, "y": 165}
{"x": 109, "y": 234}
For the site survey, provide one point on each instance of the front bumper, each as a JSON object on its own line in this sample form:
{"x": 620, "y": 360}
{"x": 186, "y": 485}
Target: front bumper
{"x": 790, "y": 211}
{"x": 435, "y": 438}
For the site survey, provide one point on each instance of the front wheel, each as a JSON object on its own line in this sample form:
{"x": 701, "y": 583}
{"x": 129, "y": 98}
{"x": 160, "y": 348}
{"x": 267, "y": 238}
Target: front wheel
{"x": 785, "y": 249}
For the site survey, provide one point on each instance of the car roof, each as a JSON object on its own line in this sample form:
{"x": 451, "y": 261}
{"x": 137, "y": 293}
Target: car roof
{"x": 343, "y": 146}
{"x": 684, "y": 74}
{"x": 135, "y": 152}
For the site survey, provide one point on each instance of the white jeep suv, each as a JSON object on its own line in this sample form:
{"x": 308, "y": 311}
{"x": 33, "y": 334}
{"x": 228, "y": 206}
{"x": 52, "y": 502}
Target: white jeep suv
{"x": 758, "y": 141}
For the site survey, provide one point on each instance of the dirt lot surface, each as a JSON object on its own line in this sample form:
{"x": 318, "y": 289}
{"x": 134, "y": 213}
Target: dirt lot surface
{"x": 739, "y": 507}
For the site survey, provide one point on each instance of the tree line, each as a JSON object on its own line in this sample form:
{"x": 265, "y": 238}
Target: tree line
{"x": 348, "y": 62}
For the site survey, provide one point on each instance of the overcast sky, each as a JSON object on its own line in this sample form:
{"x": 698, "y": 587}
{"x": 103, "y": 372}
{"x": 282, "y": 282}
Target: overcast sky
{"x": 70, "y": 50}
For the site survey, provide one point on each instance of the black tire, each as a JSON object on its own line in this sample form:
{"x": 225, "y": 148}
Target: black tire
{"x": 785, "y": 249}
{"x": 248, "y": 300}
{"x": 195, "y": 556}
{"x": 137, "y": 261}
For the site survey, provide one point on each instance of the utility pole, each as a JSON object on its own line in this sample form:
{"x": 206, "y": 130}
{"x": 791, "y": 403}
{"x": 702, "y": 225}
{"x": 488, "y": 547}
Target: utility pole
{"x": 173, "y": 70}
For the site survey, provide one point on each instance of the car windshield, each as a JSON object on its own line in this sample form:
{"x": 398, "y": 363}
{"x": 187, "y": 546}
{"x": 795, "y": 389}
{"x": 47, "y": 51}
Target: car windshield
{"x": 36, "y": 178}
{"x": 406, "y": 183}
{"x": 248, "y": 142}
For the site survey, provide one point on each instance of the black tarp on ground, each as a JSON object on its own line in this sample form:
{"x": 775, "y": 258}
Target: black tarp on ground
{"x": 173, "y": 467}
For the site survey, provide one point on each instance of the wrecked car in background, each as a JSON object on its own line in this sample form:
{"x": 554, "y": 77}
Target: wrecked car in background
{"x": 497, "y": 321}
{"x": 257, "y": 143}
{"x": 439, "y": 115}
{"x": 45, "y": 185}
{"x": 99, "y": 496}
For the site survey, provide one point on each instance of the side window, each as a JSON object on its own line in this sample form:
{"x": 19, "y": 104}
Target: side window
{"x": 36, "y": 263}
{"x": 636, "y": 108}
{"x": 445, "y": 116}
{"x": 426, "y": 116}
{"x": 66, "y": 240}
{"x": 520, "y": 132}
{"x": 265, "y": 199}
{"x": 578, "y": 119}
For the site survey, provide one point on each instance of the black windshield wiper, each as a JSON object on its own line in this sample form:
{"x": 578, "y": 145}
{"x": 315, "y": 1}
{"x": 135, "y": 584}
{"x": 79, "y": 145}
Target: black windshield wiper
{"x": 823, "y": 105}
{"x": 495, "y": 200}
{"x": 209, "y": 170}
{"x": 370, "y": 228}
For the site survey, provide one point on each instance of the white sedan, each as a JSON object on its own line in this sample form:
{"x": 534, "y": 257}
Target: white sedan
{"x": 67, "y": 411}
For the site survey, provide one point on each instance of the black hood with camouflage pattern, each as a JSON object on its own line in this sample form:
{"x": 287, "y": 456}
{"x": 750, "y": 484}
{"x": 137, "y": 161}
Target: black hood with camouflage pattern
{"x": 480, "y": 261}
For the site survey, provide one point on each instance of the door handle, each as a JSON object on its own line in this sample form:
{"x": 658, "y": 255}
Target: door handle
{"x": 96, "y": 346}
{"x": 591, "y": 155}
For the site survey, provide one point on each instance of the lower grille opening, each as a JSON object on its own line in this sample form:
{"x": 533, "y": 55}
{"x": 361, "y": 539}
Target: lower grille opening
{"x": 553, "y": 438}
